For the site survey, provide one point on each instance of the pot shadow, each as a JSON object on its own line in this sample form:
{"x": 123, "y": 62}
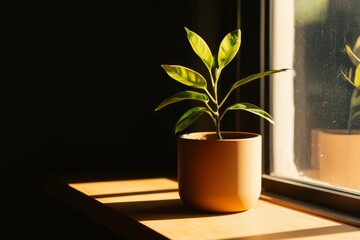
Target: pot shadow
{"x": 162, "y": 209}
{"x": 109, "y": 195}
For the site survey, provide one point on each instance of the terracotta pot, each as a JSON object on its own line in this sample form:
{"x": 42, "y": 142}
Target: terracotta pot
{"x": 336, "y": 157}
{"x": 220, "y": 175}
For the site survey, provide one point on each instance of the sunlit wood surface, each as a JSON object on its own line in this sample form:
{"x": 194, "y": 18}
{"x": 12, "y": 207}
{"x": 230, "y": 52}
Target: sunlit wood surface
{"x": 151, "y": 209}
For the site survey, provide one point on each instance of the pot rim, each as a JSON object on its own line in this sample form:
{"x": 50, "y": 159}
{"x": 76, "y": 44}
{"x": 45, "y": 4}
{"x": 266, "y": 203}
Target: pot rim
{"x": 337, "y": 131}
{"x": 227, "y": 136}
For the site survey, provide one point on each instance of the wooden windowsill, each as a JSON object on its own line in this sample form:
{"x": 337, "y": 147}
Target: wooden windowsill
{"x": 150, "y": 208}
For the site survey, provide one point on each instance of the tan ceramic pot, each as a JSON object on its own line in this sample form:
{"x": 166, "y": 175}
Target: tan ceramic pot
{"x": 336, "y": 157}
{"x": 219, "y": 175}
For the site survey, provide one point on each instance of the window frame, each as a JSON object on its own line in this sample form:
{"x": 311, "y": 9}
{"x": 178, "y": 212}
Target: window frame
{"x": 345, "y": 206}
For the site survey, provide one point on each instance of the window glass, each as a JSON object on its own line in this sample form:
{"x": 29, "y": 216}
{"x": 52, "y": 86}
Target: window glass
{"x": 316, "y": 106}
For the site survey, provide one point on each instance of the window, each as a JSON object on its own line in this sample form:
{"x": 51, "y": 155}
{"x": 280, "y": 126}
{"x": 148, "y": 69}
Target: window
{"x": 312, "y": 104}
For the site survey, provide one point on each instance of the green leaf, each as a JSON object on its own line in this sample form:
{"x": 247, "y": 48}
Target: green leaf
{"x": 347, "y": 78}
{"x": 357, "y": 77}
{"x": 229, "y": 47}
{"x": 189, "y": 117}
{"x": 355, "y": 98}
{"x": 251, "y": 78}
{"x": 354, "y": 59}
{"x": 355, "y": 116}
{"x": 185, "y": 76}
{"x": 185, "y": 95}
{"x": 354, "y": 106}
{"x": 250, "y": 108}
{"x": 356, "y": 48}
{"x": 200, "y": 48}
{"x": 254, "y": 77}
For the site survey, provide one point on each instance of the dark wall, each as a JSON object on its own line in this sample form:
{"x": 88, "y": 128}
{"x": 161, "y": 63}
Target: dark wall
{"x": 79, "y": 82}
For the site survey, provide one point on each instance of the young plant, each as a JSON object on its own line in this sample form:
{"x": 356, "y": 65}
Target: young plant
{"x": 354, "y": 110}
{"x": 207, "y": 92}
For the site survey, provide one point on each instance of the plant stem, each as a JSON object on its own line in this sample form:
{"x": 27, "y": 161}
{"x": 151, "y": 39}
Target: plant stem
{"x": 352, "y": 100}
{"x": 218, "y": 133}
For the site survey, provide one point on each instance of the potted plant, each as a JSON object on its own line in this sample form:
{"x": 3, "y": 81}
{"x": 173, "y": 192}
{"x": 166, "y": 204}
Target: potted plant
{"x": 336, "y": 151}
{"x": 218, "y": 171}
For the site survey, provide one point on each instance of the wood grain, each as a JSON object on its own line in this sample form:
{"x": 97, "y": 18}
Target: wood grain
{"x": 153, "y": 206}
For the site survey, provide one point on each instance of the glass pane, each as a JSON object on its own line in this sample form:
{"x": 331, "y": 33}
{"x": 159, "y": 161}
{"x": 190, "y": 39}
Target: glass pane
{"x": 316, "y": 106}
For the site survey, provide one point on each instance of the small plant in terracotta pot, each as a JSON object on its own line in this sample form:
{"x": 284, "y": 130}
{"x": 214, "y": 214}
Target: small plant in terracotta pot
{"x": 335, "y": 152}
{"x": 217, "y": 171}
